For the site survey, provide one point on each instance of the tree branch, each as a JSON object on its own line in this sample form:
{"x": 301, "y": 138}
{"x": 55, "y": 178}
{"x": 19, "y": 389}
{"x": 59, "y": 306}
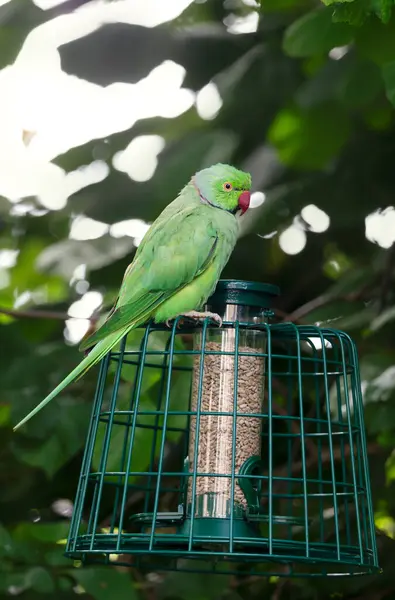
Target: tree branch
{"x": 41, "y": 314}
{"x": 305, "y": 309}
{"x": 301, "y": 312}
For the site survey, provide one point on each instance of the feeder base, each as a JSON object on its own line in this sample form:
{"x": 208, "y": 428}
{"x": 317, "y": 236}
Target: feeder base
{"x": 213, "y": 529}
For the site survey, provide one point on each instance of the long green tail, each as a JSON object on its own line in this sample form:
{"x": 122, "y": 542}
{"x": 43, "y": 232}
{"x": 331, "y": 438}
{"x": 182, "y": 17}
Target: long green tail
{"x": 98, "y": 352}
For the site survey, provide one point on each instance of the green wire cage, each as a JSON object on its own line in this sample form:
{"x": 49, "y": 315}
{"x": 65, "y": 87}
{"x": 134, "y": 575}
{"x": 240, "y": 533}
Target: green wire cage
{"x": 236, "y": 449}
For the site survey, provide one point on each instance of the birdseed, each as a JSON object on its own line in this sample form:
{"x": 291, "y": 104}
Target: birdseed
{"x": 213, "y": 494}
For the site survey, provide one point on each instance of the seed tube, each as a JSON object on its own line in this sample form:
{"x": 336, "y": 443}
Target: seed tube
{"x": 216, "y": 430}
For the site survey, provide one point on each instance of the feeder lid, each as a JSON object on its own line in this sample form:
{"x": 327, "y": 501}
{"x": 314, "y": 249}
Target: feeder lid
{"x": 249, "y": 293}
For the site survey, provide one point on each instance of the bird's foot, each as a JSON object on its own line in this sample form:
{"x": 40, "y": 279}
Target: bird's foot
{"x": 199, "y": 316}
{"x": 168, "y": 322}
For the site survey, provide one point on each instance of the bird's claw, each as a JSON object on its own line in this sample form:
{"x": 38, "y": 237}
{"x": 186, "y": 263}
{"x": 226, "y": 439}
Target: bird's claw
{"x": 169, "y": 324}
{"x": 200, "y": 316}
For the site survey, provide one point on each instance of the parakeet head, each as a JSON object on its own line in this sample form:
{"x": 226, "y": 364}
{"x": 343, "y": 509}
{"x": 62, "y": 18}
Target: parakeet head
{"x": 224, "y": 187}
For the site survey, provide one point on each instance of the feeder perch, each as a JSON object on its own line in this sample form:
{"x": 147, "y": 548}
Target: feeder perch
{"x": 238, "y": 449}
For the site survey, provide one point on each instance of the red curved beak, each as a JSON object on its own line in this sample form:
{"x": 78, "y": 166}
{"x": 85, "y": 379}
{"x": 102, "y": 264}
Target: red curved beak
{"x": 244, "y": 201}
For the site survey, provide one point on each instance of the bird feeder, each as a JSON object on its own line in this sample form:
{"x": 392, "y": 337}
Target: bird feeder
{"x": 236, "y": 449}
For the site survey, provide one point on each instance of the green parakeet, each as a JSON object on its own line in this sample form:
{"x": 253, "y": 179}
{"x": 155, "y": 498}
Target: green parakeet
{"x": 177, "y": 265}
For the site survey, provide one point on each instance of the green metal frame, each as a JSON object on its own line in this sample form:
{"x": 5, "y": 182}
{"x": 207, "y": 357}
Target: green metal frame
{"x": 309, "y": 508}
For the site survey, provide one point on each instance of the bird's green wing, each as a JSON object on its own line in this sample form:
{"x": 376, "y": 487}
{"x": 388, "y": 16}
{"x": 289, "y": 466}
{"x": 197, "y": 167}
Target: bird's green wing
{"x": 181, "y": 250}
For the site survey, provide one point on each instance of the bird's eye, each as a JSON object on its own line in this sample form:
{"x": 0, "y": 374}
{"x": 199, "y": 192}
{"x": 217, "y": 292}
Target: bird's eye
{"x": 228, "y": 186}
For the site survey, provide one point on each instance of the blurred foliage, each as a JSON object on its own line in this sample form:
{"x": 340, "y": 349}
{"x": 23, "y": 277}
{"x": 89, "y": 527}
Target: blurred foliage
{"x": 308, "y": 108}
{"x": 356, "y": 11}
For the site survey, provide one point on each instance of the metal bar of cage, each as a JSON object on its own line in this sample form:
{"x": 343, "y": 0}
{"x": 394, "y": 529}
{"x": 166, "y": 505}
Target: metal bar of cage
{"x": 234, "y": 426}
{"x": 136, "y": 399}
{"x": 162, "y": 444}
{"x": 303, "y": 451}
{"x": 270, "y": 442}
{"x": 87, "y": 457}
{"x": 366, "y": 464}
{"x": 332, "y": 463}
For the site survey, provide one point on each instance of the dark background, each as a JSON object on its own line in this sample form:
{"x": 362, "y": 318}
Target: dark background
{"x": 306, "y": 108}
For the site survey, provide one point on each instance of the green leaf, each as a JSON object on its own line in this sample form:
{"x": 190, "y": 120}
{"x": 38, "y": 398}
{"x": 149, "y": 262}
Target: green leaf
{"x": 6, "y": 543}
{"x": 376, "y": 41}
{"x": 362, "y": 86}
{"x": 337, "y": 263}
{"x": 64, "y": 583}
{"x": 42, "y": 532}
{"x": 46, "y": 456}
{"x": 383, "y": 9}
{"x": 379, "y": 118}
{"x": 103, "y": 583}
{"x": 67, "y": 439}
{"x": 390, "y": 476}
{"x": 315, "y": 33}
{"x": 56, "y": 558}
{"x": 388, "y": 72}
{"x": 331, "y": 2}
{"x": 40, "y": 580}
{"x": 356, "y": 11}
{"x": 309, "y": 139}
{"x": 5, "y": 414}
{"x": 324, "y": 86}
{"x": 13, "y": 581}
{"x": 354, "y": 14}
{"x": 36, "y": 578}
{"x": 353, "y": 81}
